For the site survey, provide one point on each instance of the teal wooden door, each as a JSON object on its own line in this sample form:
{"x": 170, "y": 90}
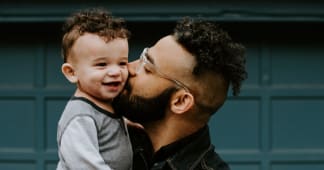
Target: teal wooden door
{"x": 276, "y": 123}
{"x": 32, "y": 95}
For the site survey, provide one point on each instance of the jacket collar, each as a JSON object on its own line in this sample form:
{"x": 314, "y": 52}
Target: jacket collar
{"x": 191, "y": 154}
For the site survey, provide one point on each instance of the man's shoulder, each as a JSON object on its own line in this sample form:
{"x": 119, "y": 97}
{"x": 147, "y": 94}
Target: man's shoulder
{"x": 212, "y": 160}
{"x": 208, "y": 161}
{"x": 199, "y": 154}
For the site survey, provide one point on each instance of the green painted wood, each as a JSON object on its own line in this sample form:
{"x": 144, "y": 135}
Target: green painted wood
{"x": 276, "y": 123}
{"x": 233, "y": 10}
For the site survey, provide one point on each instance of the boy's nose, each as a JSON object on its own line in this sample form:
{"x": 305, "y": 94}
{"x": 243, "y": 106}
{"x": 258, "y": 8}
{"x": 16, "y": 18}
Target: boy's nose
{"x": 114, "y": 71}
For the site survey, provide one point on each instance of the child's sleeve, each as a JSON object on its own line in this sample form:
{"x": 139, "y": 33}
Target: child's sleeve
{"x": 79, "y": 145}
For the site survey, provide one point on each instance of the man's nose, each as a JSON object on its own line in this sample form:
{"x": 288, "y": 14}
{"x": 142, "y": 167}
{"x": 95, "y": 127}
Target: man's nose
{"x": 132, "y": 67}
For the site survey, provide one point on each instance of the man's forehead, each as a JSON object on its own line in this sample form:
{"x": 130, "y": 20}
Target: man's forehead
{"x": 166, "y": 42}
{"x": 170, "y": 46}
{"x": 165, "y": 47}
{"x": 167, "y": 51}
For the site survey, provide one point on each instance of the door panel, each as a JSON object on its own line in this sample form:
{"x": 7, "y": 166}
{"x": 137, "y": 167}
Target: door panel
{"x": 275, "y": 124}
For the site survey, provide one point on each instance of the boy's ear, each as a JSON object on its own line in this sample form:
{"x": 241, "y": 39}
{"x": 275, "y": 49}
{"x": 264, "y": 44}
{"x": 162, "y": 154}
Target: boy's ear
{"x": 181, "y": 102}
{"x": 69, "y": 73}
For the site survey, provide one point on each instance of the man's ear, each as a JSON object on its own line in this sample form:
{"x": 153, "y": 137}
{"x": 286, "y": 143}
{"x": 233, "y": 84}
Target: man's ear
{"x": 69, "y": 73}
{"x": 181, "y": 102}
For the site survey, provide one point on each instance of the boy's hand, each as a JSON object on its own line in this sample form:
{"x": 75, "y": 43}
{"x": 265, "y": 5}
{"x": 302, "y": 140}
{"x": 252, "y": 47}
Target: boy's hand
{"x": 133, "y": 124}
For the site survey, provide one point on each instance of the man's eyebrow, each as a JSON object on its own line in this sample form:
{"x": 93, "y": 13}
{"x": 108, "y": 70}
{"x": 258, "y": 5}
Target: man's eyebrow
{"x": 149, "y": 57}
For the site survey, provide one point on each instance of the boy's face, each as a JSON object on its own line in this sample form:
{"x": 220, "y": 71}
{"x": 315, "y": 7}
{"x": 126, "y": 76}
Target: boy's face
{"x": 100, "y": 67}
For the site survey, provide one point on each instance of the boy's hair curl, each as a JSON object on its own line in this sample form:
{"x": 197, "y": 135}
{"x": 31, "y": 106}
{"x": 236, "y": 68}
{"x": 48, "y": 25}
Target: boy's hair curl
{"x": 96, "y": 20}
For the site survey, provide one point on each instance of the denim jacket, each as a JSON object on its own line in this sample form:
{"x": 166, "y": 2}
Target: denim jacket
{"x": 196, "y": 154}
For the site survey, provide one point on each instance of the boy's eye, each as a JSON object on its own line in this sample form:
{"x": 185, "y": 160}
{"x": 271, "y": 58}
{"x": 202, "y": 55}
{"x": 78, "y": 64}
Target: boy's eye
{"x": 100, "y": 64}
{"x": 123, "y": 63}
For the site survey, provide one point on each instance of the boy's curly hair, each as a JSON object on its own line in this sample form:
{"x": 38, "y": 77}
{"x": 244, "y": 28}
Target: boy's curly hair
{"x": 214, "y": 50}
{"x": 96, "y": 20}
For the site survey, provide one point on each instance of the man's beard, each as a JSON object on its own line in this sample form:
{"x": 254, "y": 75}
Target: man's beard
{"x": 142, "y": 110}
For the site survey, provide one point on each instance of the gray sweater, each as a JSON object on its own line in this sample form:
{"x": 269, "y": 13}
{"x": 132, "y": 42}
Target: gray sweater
{"x": 92, "y": 138}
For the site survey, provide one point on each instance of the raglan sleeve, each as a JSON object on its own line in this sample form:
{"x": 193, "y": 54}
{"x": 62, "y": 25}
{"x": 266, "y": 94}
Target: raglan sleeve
{"x": 79, "y": 145}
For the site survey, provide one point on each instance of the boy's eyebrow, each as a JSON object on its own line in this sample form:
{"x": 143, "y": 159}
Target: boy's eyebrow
{"x": 104, "y": 58}
{"x": 124, "y": 58}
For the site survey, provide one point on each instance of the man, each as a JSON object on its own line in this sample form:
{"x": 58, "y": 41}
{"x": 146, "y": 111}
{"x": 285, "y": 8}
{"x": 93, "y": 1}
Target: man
{"x": 173, "y": 90}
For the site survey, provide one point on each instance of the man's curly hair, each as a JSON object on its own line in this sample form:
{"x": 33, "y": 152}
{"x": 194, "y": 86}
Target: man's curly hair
{"x": 95, "y": 20}
{"x": 214, "y": 50}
